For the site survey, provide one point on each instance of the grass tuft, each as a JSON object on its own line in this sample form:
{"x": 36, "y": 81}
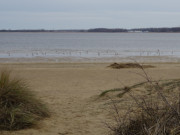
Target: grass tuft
{"x": 19, "y": 108}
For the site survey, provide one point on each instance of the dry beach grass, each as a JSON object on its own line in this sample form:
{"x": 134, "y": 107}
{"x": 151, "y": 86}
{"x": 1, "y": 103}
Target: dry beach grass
{"x": 155, "y": 112}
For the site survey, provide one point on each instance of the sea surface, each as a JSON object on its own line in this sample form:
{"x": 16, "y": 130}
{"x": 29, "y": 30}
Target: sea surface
{"x": 88, "y": 45}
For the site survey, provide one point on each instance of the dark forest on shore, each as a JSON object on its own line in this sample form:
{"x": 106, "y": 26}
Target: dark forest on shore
{"x": 113, "y": 30}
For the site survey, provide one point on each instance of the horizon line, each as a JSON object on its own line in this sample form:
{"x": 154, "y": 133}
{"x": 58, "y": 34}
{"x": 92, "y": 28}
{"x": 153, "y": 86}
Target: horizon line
{"x": 88, "y": 28}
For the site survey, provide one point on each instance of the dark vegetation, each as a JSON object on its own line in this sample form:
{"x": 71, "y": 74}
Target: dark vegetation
{"x": 19, "y": 108}
{"x": 107, "y": 30}
{"x": 114, "y": 30}
{"x": 128, "y": 65}
{"x": 156, "y": 112}
{"x": 174, "y": 29}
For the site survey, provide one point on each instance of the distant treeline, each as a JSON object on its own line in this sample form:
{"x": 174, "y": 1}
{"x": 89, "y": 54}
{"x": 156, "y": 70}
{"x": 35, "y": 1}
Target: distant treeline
{"x": 107, "y": 30}
{"x": 173, "y": 29}
{"x": 42, "y": 30}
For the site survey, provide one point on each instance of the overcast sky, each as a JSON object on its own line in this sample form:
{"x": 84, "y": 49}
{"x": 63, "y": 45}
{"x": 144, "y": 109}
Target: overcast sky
{"x": 85, "y": 14}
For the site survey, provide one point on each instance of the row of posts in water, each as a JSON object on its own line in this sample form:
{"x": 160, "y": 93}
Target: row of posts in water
{"x": 95, "y": 53}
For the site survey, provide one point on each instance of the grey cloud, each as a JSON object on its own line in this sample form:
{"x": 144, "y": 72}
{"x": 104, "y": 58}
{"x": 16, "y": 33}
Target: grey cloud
{"x": 89, "y": 5}
{"x": 63, "y": 20}
{"x": 67, "y": 14}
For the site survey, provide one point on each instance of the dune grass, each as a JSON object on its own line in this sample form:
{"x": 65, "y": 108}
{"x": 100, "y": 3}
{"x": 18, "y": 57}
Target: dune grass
{"x": 123, "y": 89}
{"x": 167, "y": 85}
{"x": 19, "y": 108}
{"x": 149, "y": 115}
{"x": 156, "y": 112}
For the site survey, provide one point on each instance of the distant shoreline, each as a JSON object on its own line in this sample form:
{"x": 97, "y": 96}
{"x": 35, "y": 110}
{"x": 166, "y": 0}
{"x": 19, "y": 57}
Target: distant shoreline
{"x": 103, "y": 30}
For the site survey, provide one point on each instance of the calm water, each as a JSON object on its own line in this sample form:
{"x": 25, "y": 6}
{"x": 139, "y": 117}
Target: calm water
{"x": 89, "y": 44}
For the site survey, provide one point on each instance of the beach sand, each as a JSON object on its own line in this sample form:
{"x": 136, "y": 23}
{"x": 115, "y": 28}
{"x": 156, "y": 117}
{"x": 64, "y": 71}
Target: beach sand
{"x": 70, "y": 90}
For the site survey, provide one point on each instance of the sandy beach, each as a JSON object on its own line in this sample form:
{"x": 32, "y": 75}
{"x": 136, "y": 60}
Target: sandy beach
{"x": 70, "y": 90}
